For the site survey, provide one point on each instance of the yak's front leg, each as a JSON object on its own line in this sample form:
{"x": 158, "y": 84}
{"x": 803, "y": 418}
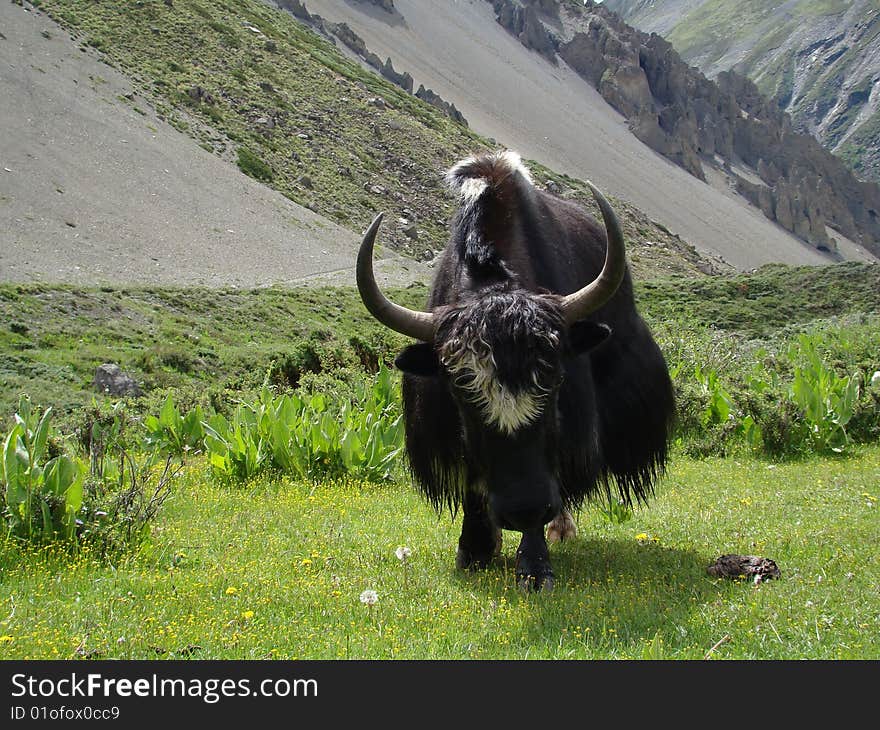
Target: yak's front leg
{"x": 480, "y": 539}
{"x": 533, "y": 570}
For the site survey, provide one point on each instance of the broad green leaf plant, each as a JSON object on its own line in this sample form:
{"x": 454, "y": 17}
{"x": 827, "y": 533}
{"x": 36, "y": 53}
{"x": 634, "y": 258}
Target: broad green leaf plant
{"x": 41, "y": 496}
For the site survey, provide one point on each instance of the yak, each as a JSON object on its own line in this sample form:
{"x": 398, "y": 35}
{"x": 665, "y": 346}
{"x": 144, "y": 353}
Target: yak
{"x": 535, "y": 383}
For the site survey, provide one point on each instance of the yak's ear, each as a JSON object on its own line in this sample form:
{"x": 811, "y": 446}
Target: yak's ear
{"x": 585, "y": 336}
{"x": 418, "y": 359}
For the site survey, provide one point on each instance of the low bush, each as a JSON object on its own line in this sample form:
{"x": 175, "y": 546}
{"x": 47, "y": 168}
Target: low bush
{"x": 312, "y": 435}
{"x": 809, "y": 392}
{"x": 42, "y": 493}
{"x": 250, "y": 164}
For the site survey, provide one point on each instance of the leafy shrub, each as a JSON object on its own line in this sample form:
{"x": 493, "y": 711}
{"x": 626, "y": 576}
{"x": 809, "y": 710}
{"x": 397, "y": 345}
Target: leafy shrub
{"x": 803, "y": 396}
{"x": 122, "y": 502}
{"x": 826, "y": 400}
{"x": 125, "y": 486}
{"x": 110, "y": 499}
{"x": 615, "y": 511}
{"x": 41, "y": 497}
{"x": 311, "y": 435}
{"x": 172, "y": 434}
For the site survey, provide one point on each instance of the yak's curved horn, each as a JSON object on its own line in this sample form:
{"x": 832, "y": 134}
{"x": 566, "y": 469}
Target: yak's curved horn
{"x": 588, "y": 299}
{"x": 419, "y": 325}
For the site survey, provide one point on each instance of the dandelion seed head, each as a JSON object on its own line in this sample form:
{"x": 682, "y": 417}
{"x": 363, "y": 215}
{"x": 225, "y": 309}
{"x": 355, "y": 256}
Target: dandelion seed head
{"x": 402, "y": 553}
{"x": 369, "y": 597}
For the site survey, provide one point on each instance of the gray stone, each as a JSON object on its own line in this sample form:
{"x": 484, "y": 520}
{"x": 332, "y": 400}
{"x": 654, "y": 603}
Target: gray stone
{"x": 110, "y": 379}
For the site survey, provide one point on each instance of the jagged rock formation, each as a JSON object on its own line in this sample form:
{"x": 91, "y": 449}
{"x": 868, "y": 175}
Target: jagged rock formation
{"x": 387, "y": 5}
{"x": 436, "y": 100}
{"x": 818, "y": 62}
{"x": 343, "y": 33}
{"x": 725, "y": 125}
{"x": 523, "y": 22}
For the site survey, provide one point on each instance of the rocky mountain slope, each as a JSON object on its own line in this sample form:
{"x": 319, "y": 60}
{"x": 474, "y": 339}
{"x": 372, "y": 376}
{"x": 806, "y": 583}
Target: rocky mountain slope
{"x": 263, "y": 94}
{"x": 722, "y": 130}
{"x": 97, "y": 186}
{"x": 548, "y": 112}
{"x": 819, "y": 61}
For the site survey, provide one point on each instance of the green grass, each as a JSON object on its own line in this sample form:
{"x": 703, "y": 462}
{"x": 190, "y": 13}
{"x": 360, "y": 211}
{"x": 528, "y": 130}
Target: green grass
{"x": 208, "y": 344}
{"x": 207, "y": 341}
{"x": 275, "y": 570}
{"x": 763, "y": 302}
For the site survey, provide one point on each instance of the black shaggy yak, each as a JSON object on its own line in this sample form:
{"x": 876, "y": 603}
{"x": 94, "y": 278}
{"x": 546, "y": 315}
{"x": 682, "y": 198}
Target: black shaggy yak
{"x": 536, "y": 383}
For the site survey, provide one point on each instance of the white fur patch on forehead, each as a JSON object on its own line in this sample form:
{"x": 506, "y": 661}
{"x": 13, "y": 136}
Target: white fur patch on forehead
{"x": 473, "y": 175}
{"x": 508, "y": 411}
{"x": 471, "y": 189}
{"x": 513, "y": 162}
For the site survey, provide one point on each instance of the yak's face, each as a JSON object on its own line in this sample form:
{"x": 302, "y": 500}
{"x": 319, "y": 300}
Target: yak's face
{"x": 503, "y": 356}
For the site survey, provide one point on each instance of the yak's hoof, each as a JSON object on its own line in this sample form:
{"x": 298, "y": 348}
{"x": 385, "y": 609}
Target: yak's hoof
{"x": 535, "y": 583}
{"x": 534, "y": 575}
{"x": 478, "y": 557}
{"x": 467, "y": 560}
{"x": 561, "y": 528}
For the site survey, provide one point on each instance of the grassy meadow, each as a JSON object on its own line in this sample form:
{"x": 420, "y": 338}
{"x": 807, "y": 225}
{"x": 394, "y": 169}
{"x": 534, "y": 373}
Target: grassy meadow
{"x": 274, "y": 569}
{"x": 274, "y": 565}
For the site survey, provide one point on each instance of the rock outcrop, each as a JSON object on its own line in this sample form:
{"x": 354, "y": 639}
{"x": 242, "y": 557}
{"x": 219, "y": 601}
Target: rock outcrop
{"x": 111, "y": 380}
{"x": 523, "y": 22}
{"x": 819, "y": 64}
{"x": 725, "y": 124}
{"x": 343, "y": 33}
{"x": 386, "y": 5}
{"x": 436, "y": 100}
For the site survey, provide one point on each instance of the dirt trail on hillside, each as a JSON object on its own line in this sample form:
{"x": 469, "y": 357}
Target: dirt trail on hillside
{"x": 95, "y": 189}
{"x": 552, "y": 115}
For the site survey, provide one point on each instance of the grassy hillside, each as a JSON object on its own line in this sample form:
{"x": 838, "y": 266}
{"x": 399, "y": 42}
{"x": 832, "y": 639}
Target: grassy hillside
{"x": 714, "y": 27}
{"x": 774, "y": 298}
{"x": 207, "y": 343}
{"x": 274, "y": 566}
{"x": 254, "y": 85}
{"x": 203, "y": 342}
